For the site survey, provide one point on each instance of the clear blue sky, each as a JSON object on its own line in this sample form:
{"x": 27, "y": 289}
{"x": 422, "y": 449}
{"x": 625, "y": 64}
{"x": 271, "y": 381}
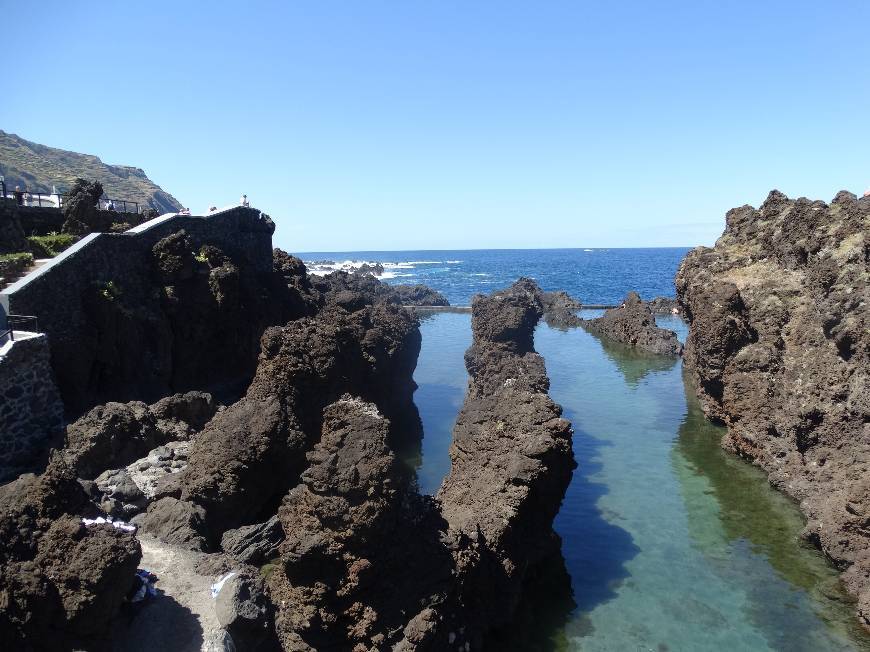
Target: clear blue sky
{"x": 408, "y": 125}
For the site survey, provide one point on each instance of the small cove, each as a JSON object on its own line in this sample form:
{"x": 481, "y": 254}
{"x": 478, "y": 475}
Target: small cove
{"x": 669, "y": 542}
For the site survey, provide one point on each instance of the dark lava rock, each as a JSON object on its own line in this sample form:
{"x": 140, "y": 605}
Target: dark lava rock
{"x": 779, "y": 348}
{"x": 254, "y": 544}
{"x": 340, "y": 287}
{"x": 116, "y": 434}
{"x": 367, "y": 563}
{"x": 250, "y": 453}
{"x": 362, "y": 553}
{"x": 664, "y": 306}
{"x": 559, "y": 308}
{"x": 511, "y": 459}
{"x": 108, "y": 436}
{"x": 60, "y": 582}
{"x": 634, "y": 324}
{"x": 80, "y": 208}
{"x": 243, "y": 610}
{"x": 178, "y": 522}
{"x": 418, "y": 295}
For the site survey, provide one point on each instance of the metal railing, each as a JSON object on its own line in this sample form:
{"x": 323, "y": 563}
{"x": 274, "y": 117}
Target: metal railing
{"x": 18, "y": 323}
{"x": 56, "y": 200}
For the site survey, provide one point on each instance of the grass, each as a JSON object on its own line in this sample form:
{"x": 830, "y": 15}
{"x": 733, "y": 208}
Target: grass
{"x": 49, "y": 246}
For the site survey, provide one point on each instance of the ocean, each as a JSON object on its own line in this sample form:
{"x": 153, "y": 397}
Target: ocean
{"x": 594, "y": 276}
{"x": 668, "y": 542}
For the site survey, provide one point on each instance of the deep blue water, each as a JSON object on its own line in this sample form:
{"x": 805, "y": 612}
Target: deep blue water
{"x": 596, "y": 276}
{"x": 668, "y": 542}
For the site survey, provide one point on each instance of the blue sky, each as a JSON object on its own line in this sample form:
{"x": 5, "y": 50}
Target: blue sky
{"x": 436, "y": 125}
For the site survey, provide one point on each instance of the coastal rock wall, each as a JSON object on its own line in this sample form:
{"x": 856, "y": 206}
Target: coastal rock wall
{"x": 31, "y": 410}
{"x": 128, "y": 319}
{"x": 780, "y": 349}
{"x": 511, "y": 457}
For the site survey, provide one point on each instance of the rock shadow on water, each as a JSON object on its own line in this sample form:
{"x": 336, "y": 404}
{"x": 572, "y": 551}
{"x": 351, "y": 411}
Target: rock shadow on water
{"x": 588, "y": 571}
{"x": 598, "y": 549}
{"x": 634, "y": 364}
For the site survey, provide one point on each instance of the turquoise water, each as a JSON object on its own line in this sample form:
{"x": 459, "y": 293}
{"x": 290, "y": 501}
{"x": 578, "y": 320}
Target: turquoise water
{"x": 669, "y": 543}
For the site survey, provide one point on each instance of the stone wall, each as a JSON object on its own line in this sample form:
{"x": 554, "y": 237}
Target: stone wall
{"x": 31, "y": 411}
{"x": 42, "y": 220}
{"x": 12, "y": 238}
{"x": 61, "y": 295}
{"x": 17, "y": 222}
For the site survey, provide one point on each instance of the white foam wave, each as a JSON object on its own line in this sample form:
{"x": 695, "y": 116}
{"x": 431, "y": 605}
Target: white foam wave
{"x": 324, "y": 267}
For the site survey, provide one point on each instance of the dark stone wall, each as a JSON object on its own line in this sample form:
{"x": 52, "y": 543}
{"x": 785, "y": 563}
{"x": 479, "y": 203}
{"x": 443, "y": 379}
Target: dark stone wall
{"x": 112, "y": 334}
{"x": 42, "y": 220}
{"x": 31, "y": 411}
{"x": 12, "y": 238}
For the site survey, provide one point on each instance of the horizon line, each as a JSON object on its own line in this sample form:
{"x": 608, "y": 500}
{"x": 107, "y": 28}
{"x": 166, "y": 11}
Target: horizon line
{"x": 375, "y": 251}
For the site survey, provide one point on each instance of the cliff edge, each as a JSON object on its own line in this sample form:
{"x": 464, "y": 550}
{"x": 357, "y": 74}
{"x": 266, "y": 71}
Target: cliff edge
{"x": 779, "y": 347}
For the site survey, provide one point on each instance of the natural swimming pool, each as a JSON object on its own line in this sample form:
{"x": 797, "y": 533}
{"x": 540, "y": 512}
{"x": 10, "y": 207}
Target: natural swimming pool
{"x": 669, "y": 543}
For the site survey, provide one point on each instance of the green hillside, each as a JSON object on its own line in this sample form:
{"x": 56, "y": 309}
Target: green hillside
{"x": 37, "y": 168}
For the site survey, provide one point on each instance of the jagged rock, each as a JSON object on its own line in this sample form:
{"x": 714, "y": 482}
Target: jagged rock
{"x": 254, "y": 544}
{"x": 664, "y": 306}
{"x": 80, "y": 208}
{"x": 192, "y": 409}
{"x": 12, "y": 237}
{"x": 173, "y": 258}
{"x": 343, "y": 288}
{"x": 779, "y": 348}
{"x": 116, "y": 434}
{"x": 633, "y": 324}
{"x": 175, "y": 521}
{"x": 61, "y": 582}
{"x": 360, "y": 550}
{"x": 418, "y": 295}
{"x": 245, "y": 612}
{"x": 375, "y": 269}
{"x": 109, "y": 435}
{"x": 511, "y": 458}
{"x": 560, "y": 309}
{"x": 250, "y": 453}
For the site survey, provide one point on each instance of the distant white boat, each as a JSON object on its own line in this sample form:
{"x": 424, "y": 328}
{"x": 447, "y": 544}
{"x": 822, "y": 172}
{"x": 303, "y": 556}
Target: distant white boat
{"x": 588, "y": 250}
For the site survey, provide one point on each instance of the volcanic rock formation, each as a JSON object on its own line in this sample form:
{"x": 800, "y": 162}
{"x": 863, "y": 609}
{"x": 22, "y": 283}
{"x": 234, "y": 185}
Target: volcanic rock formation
{"x": 633, "y": 323}
{"x": 331, "y": 286}
{"x": 60, "y": 581}
{"x": 780, "y": 349}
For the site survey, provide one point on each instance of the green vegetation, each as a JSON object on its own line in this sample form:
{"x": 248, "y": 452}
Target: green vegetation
{"x": 24, "y": 258}
{"x": 13, "y": 264}
{"x": 110, "y": 291}
{"x": 49, "y": 246}
{"x": 37, "y": 168}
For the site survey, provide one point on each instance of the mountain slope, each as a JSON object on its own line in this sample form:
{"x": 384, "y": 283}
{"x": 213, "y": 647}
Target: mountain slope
{"x": 37, "y": 167}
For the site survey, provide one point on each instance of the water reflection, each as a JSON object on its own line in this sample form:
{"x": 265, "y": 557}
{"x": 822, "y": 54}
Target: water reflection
{"x": 669, "y": 542}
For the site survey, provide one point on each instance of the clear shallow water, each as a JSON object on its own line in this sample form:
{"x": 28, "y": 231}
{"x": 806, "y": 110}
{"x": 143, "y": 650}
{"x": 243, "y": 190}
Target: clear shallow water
{"x": 600, "y": 276}
{"x": 669, "y": 543}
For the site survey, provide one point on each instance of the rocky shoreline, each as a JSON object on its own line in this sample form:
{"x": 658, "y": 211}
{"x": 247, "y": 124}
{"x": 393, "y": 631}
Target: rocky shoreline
{"x": 778, "y": 346}
{"x": 302, "y": 475}
{"x": 295, "y": 491}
